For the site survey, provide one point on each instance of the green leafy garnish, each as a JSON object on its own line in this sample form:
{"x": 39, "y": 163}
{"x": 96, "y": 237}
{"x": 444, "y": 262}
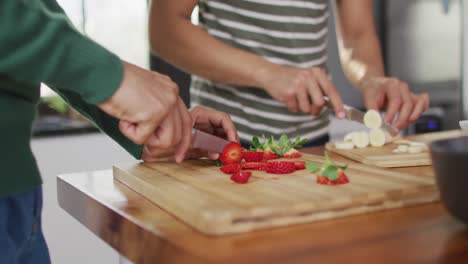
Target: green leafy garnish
{"x": 329, "y": 169}
{"x": 330, "y": 172}
{"x": 218, "y": 163}
{"x": 280, "y": 147}
{"x": 312, "y": 167}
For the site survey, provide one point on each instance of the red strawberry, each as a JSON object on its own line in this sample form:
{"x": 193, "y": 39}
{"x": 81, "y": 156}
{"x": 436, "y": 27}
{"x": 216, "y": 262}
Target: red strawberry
{"x": 230, "y": 168}
{"x": 300, "y": 165}
{"x": 241, "y": 177}
{"x": 253, "y": 165}
{"x": 252, "y": 156}
{"x": 232, "y": 153}
{"x": 323, "y": 180}
{"x": 342, "y": 178}
{"x": 280, "y": 167}
{"x": 270, "y": 155}
{"x": 292, "y": 153}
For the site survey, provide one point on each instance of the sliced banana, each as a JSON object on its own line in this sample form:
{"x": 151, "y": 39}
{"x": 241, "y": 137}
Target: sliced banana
{"x": 345, "y": 145}
{"x": 361, "y": 139}
{"x": 418, "y": 144}
{"x": 403, "y": 148}
{"x": 396, "y": 151}
{"x": 389, "y": 138}
{"x": 372, "y": 119}
{"x": 349, "y": 136}
{"x": 377, "y": 137}
{"x": 415, "y": 149}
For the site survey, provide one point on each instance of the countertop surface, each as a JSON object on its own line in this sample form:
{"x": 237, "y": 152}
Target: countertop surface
{"x": 145, "y": 233}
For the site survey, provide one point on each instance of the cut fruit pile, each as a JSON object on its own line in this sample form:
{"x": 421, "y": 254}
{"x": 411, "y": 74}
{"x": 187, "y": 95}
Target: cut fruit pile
{"x": 236, "y": 161}
{"x": 376, "y": 137}
{"x": 407, "y": 146}
{"x": 329, "y": 173}
{"x": 240, "y": 163}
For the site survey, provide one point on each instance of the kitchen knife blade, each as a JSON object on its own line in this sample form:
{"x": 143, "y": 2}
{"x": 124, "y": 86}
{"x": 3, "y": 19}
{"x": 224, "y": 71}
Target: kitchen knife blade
{"x": 204, "y": 141}
{"x": 356, "y": 115}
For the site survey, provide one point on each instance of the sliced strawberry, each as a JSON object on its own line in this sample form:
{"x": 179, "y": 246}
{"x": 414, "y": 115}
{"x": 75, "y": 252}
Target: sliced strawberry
{"x": 241, "y": 177}
{"x": 342, "y": 178}
{"x": 323, "y": 180}
{"x": 270, "y": 155}
{"x": 300, "y": 165}
{"x": 232, "y": 153}
{"x": 292, "y": 153}
{"x": 252, "y": 156}
{"x": 230, "y": 168}
{"x": 280, "y": 167}
{"x": 253, "y": 165}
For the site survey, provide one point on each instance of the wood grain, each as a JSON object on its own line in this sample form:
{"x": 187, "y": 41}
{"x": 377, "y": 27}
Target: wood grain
{"x": 145, "y": 233}
{"x": 384, "y": 157}
{"x": 202, "y": 196}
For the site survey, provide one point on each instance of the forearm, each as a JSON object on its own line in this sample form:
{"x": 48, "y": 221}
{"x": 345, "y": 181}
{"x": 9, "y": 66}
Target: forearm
{"x": 192, "y": 49}
{"x": 103, "y": 121}
{"x": 359, "y": 48}
{"x": 365, "y": 59}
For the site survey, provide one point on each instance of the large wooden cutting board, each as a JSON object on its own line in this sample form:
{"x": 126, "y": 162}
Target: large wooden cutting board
{"x": 384, "y": 157}
{"x": 202, "y": 196}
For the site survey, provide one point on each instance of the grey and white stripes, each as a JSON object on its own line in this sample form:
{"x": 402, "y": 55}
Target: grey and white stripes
{"x": 286, "y": 32}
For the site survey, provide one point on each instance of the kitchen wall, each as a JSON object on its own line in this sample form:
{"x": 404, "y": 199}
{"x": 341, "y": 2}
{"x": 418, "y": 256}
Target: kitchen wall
{"x": 69, "y": 241}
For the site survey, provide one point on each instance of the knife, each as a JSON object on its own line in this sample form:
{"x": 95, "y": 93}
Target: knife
{"x": 356, "y": 115}
{"x": 204, "y": 141}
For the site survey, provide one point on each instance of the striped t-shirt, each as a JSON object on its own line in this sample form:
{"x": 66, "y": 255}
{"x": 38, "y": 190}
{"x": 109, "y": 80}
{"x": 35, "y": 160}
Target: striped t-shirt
{"x": 287, "y": 32}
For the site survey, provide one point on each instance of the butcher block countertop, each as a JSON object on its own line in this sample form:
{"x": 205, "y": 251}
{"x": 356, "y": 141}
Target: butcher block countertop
{"x": 145, "y": 233}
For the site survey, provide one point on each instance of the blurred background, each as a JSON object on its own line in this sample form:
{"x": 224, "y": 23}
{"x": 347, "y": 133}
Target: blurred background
{"x": 422, "y": 41}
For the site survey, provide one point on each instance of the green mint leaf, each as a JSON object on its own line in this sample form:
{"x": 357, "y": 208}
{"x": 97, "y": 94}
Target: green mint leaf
{"x": 312, "y": 167}
{"x": 331, "y": 172}
{"x": 218, "y": 163}
{"x": 343, "y": 167}
{"x": 255, "y": 142}
{"x": 277, "y": 150}
{"x": 284, "y": 140}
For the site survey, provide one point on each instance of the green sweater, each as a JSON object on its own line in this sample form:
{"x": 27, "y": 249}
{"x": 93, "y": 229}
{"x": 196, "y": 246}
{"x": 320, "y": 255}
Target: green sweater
{"x": 39, "y": 44}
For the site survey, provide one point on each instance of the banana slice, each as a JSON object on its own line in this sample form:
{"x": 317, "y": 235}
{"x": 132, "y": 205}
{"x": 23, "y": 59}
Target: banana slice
{"x": 361, "y": 139}
{"x": 344, "y": 145}
{"x": 419, "y": 144}
{"x": 372, "y": 119}
{"x": 415, "y": 149}
{"x": 377, "y": 137}
{"x": 403, "y": 148}
{"x": 349, "y": 137}
{"x": 396, "y": 151}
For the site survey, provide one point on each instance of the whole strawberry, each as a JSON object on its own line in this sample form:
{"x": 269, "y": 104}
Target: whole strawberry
{"x": 232, "y": 153}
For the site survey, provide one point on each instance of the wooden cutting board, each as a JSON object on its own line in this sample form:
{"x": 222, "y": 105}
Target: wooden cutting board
{"x": 384, "y": 157}
{"x": 202, "y": 196}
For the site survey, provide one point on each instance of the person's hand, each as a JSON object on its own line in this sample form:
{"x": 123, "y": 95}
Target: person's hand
{"x": 149, "y": 108}
{"x": 301, "y": 89}
{"x": 210, "y": 121}
{"x": 174, "y": 134}
{"x": 395, "y": 96}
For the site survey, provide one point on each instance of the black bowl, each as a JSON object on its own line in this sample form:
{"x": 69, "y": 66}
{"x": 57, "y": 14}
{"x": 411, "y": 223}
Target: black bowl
{"x": 450, "y": 163}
